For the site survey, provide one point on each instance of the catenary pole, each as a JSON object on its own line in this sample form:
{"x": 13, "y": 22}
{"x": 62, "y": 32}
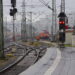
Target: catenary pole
{"x": 1, "y": 30}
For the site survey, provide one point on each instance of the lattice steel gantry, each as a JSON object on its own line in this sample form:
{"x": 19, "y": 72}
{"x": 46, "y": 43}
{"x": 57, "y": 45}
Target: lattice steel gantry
{"x": 54, "y": 20}
{"x": 63, "y": 6}
{"x": 23, "y": 24}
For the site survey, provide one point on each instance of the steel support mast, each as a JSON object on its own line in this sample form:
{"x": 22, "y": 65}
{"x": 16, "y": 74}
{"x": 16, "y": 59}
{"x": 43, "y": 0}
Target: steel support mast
{"x": 63, "y": 6}
{"x": 1, "y": 30}
{"x": 54, "y": 23}
{"x": 31, "y": 30}
{"x": 23, "y": 24}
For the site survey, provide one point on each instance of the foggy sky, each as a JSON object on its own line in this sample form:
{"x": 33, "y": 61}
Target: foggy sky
{"x": 70, "y": 6}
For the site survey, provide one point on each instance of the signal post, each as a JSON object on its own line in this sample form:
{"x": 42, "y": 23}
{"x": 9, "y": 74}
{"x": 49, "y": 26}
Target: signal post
{"x": 62, "y": 16}
{"x": 13, "y": 11}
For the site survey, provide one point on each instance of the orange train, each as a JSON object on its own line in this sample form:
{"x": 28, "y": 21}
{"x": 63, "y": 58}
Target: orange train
{"x": 42, "y": 36}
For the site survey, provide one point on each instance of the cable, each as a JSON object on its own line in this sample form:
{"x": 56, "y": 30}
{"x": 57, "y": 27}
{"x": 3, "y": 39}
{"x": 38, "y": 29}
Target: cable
{"x": 42, "y": 1}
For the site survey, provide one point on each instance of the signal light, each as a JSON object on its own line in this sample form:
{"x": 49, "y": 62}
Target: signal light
{"x": 61, "y": 22}
{"x": 13, "y": 11}
{"x": 62, "y": 29}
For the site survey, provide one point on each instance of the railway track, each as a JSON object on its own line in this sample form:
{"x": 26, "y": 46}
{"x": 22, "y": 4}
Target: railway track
{"x": 30, "y": 56}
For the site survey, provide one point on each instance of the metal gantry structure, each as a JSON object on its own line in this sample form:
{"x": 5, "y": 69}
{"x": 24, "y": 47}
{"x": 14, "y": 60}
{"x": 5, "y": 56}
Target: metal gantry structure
{"x": 54, "y": 20}
{"x": 23, "y": 24}
{"x": 63, "y": 6}
{"x": 31, "y": 28}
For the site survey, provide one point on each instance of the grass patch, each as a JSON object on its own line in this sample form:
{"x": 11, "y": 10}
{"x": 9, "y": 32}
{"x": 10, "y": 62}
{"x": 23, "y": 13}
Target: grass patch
{"x": 36, "y": 44}
{"x": 6, "y": 60}
{"x": 69, "y": 45}
{"x": 31, "y": 43}
{"x": 3, "y": 62}
{"x": 9, "y": 55}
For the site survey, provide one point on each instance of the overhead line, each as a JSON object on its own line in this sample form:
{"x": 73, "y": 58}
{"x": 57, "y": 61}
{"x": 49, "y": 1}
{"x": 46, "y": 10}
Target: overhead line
{"x": 46, "y": 4}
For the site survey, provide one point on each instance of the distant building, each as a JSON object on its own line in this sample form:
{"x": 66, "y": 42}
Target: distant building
{"x": 69, "y": 36}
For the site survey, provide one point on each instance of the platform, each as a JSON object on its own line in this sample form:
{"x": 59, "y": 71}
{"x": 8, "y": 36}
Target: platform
{"x": 42, "y": 66}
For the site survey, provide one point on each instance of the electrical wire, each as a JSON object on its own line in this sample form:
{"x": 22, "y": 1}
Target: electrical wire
{"x": 46, "y": 4}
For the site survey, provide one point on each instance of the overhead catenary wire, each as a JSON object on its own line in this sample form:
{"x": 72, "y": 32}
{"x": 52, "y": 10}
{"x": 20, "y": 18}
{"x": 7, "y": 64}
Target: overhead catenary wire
{"x": 36, "y": 17}
{"x": 46, "y": 4}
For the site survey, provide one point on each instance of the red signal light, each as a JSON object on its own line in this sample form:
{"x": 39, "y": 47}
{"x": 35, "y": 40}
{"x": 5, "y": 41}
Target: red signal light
{"x": 61, "y": 22}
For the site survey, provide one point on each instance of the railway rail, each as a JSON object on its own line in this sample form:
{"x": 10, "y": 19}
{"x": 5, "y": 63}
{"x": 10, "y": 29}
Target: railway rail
{"x": 30, "y": 54}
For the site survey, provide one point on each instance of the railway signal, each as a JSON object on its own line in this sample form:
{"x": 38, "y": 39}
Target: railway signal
{"x": 13, "y": 11}
{"x": 61, "y": 23}
{"x": 62, "y": 27}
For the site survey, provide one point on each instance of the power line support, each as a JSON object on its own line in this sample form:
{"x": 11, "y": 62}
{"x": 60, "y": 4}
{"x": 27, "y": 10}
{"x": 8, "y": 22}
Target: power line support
{"x": 14, "y": 28}
{"x": 6, "y": 28}
{"x": 54, "y": 23}
{"x": 63, "y": 6}
{"x": 1, "y": 31}
{"x": 23, "y": 24}
{"x": 31, "y": 27}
